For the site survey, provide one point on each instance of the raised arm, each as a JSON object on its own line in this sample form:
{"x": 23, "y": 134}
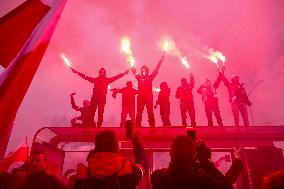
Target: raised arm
{"x": 218, "y": 81}
{"x": 112, "y": 79}
{"x": 191, "y": 80}
{"x": 224, "y": 79}
{"x": 140, "y": 154}
{"x": 90, "y": 79}
{"x": 236, "y": 167}
{"x": 133, "y": 70}
{"x": 74, "y": 106}
{"x": 115, "y": 91}
{"x": 156, "y": 70}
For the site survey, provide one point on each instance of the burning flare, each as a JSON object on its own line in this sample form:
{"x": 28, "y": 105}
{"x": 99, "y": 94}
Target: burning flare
{"x": 215, "y": 56}
{"x": 125, "y": 46}
{"x": 185, "y": 62}
{"x": 167, "y": 45}
{"x": 65, "y": 59}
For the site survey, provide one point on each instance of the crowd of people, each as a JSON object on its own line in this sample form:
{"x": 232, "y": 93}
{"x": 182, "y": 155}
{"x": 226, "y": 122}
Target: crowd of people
{"x": 184, "y": 93}
{"x": 190, "y": 167}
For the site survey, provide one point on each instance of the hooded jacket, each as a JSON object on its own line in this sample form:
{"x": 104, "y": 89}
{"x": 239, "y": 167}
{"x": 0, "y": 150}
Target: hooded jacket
{"x": 108, "y": 167}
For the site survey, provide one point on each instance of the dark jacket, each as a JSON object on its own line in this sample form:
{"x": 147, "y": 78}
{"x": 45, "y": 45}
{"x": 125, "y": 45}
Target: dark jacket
{"x": 100, "y": 86}
{"x": 164, "y": 97}
{"x": 128, "y": 96}
{"x": 145, "y": 82}
{"x": 184, "y": 177}
{"x": 236, "y": 91}
{"x": 231, "y": 175}
{"x": 184, "y": 93}
{"x": 42, "y": 180}
{"x": 209, "y": 94}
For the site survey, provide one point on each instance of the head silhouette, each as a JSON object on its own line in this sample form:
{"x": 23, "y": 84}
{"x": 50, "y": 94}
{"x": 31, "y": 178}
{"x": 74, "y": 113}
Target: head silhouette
{"x": 102, "y": 72}
{"x": 183, "y": 149}
{"x": 106, "y": 141}
{"x": 144, "y": 71}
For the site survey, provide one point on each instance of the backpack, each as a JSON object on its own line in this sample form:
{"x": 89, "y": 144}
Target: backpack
{"x": 111, "y": 182}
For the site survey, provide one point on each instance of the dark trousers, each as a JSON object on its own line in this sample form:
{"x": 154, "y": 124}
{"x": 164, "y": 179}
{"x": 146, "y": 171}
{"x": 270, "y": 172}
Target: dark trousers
{"x": 211, "y": 108}
{"x": 101, "y": 109}
{"x": 187, "y": 107}
{"x": 124, "y": 112}
{"x": 165, "y": 114}
{"x": 236, "y": 109}
{"x": 98, "y": 103}
{"x": 143, "y": 100}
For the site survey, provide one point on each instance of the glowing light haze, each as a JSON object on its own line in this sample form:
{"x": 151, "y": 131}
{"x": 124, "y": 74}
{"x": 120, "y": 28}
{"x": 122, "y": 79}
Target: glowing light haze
{"x": 248, "y": 33}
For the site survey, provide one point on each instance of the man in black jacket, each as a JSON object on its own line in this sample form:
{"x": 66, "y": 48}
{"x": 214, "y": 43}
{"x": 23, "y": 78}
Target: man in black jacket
{"x": 182, "y": 172}
{"x": 38, "y": 178}
{"x": 210, "y": 99}
{"x": 145, "y": 94}
{"x": 184, "y": 94}
{"x": 128, "y": 102}
{"x": 98, "y": 99}
{"x": 108, "y": 169}
{"x": 238, "y": 98}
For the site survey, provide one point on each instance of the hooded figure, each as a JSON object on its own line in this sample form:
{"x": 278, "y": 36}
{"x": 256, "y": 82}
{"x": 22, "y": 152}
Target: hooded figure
{"x": 108, "y": 169}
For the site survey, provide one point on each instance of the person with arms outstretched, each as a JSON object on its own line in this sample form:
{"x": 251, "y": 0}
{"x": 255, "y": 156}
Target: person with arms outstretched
{"x": 98, "y": 99}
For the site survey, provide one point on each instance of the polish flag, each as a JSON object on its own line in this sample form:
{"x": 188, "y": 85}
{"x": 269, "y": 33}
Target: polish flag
{"x": 20, "y": 155}
{"x": 25, "y": 33}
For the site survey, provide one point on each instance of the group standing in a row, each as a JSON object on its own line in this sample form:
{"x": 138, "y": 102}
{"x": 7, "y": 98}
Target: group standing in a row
{"x": 238, "y": 98}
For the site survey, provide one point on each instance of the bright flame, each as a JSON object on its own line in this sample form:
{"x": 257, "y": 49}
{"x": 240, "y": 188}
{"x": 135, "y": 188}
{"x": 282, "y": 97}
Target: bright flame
{"x": 65, "y": 59}
{"x": 185, "y": 62}
{"x": 215, "y": 56}
{"x": 125, "y": 46}
{"x": 131, "y": 61}
{"x": 109, "y": 87}
{"x": 166, "y": 45}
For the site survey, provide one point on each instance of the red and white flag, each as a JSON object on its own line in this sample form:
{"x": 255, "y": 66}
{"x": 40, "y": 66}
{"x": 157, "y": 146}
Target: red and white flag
{"x": 25, "y": 33}
{"x": 20, "y": 155}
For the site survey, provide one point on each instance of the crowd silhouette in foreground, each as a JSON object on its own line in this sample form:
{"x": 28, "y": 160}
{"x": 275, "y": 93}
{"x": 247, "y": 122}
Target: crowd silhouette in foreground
{"x": 189, "y": 167}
